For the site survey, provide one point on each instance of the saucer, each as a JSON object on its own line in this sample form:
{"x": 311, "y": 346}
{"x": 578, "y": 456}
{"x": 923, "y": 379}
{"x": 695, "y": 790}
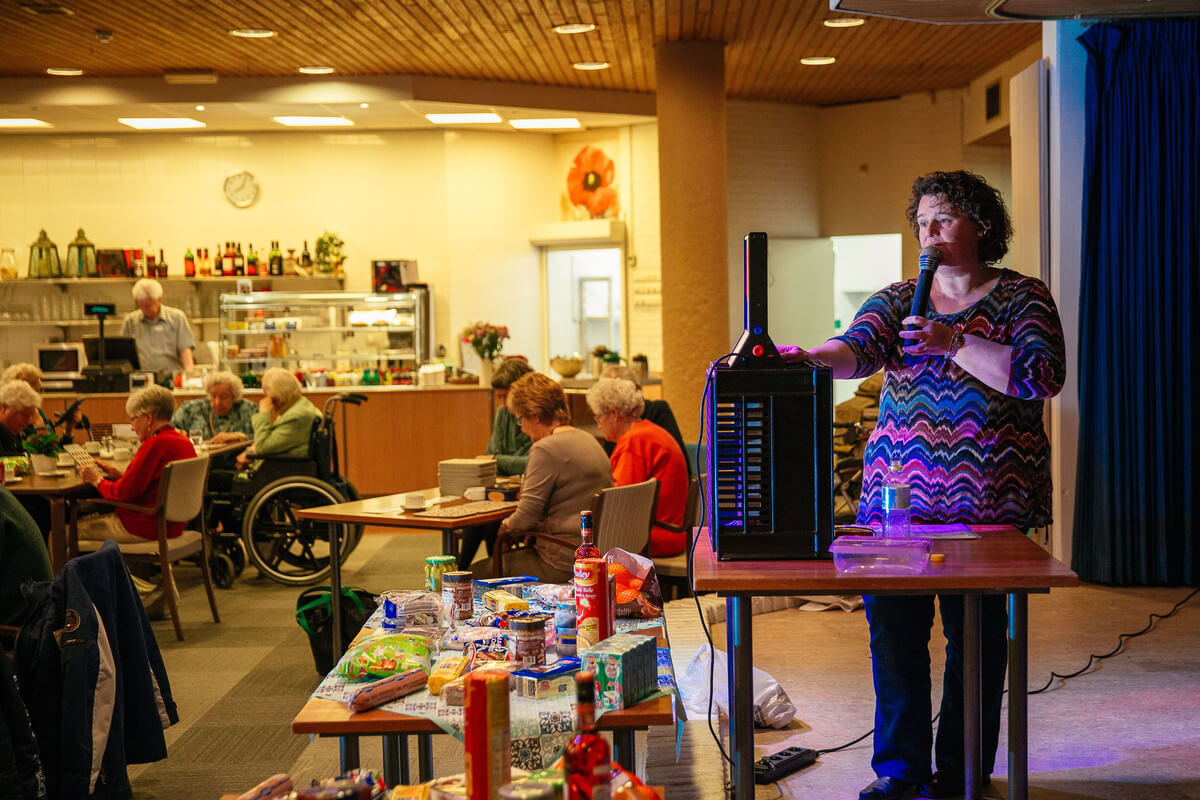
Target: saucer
{"x": 423, "y": 507}
{"x": 58, "y": 473}
{"x": 13, "y": 479}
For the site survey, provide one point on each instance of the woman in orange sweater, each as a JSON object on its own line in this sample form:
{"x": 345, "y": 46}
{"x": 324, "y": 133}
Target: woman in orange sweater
{"x": 644, "y": 450}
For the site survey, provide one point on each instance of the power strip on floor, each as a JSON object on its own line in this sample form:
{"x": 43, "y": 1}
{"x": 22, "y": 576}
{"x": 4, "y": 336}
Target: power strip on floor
{"x": 769, "y": 769}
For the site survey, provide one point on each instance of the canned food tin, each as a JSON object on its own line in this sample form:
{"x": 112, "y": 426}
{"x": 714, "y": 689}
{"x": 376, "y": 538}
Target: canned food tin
{"x": 527, "y": 639}
{"x": 457, "y": 595}
{"x": 435, "y": 568}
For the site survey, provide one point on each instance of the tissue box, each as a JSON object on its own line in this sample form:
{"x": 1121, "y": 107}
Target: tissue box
{"x": 626, "y": 668}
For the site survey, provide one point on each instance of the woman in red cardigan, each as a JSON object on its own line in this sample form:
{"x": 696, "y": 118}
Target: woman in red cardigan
{"x": 149, "y": 411}
{"x": 644, "y": 450}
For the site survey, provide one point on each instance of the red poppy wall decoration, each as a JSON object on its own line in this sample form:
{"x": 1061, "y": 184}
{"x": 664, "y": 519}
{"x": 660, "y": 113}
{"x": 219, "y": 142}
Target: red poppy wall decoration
{"x": 589, "y": 181}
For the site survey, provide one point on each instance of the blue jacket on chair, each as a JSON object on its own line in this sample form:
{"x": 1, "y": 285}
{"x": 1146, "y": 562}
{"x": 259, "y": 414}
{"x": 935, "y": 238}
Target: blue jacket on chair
{"x": 92, "y": 678}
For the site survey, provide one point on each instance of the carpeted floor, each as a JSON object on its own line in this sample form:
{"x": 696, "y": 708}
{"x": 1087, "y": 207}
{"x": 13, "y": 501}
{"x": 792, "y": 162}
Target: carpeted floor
{"x": 1124, "y": 730}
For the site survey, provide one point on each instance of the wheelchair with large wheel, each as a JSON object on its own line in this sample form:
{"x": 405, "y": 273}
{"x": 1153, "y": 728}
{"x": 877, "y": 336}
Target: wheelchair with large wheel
{"x": 256, "y": 510}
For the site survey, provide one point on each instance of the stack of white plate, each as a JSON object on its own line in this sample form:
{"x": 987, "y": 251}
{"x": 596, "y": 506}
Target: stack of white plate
{"x": 456, "y": 475}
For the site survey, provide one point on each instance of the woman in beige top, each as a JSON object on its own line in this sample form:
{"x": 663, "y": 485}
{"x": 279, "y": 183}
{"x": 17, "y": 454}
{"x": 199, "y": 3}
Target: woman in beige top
{"x": 566, "y": 467}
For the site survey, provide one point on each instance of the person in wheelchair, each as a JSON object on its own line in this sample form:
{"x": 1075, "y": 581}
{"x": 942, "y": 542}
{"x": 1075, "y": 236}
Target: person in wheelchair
{"x": 284, "y": 422}
{"x": 223, "y": 416}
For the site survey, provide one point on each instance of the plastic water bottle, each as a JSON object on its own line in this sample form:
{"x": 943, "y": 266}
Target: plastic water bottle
{"x": 897, "y": 516}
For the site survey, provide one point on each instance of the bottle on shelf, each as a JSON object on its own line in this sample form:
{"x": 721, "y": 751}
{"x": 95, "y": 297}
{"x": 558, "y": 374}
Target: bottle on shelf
{"x": 239, "y": 261}
{"x": 586, "y": 761}
{"x": 150, "y": 268}
{"x": 305, "y": 258}
{"x": 205, "y": 265}
{"x": 588, "y": 548}
{"x": 897, "y": 516}
{"x": 276, "y": 259}
{"x": 162, "y": 265}
{"x": 227, "y": 260}
{"x": 251, "y": 261}
{"x": 139, "y": 263}
{"x": 189, "y": 264}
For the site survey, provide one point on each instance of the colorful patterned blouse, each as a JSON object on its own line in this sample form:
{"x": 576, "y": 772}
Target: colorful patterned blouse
{"x": 198, "y": 415}
{"x": 970, "y": 453}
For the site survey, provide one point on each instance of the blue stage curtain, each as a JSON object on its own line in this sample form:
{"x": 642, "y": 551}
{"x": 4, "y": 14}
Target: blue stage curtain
{"x": 1136, "y": 493}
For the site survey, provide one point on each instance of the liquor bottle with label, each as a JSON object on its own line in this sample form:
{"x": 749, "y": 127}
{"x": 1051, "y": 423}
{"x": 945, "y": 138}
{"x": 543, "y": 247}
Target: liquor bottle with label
{"x": 204, "y": 267}
{"x": 305, "y": 258}
{"x": 251, "y": 261}
{"x": 149, "y": 267}
{"x": 189, "y": 264}
{"x": 239, "y": 261}
{"x": 227, "y": 260}
{"x": 587, "y": 765}
{"x": 276, "y": 264}
{"x": 162, "y": 265}
{"x": 588, "y": 548}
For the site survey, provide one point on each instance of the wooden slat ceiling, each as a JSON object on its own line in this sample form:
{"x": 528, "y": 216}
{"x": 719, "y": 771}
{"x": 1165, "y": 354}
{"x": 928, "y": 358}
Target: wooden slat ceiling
{"x": 511, "y": 41}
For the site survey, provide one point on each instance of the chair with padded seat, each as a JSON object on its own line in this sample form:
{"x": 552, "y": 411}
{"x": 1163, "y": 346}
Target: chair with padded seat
{"x": 621, "y": 517}
{"x": 672, "y": 570}
{"x": 181, "y": 491}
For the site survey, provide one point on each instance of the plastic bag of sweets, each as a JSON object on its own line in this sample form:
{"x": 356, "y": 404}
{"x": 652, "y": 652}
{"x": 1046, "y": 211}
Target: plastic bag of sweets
{"x": 459, "y": 638}
{"x": 402, "y": 609}
{"x": 381, "y": 656}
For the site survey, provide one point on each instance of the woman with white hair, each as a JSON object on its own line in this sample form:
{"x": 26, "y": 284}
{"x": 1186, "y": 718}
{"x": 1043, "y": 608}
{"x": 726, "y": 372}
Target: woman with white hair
{"x": 284, "y": 420}
{"x": 29, "y": 373}
{"x": 223, "y": 416}
{"x": 164, "y": 340}
{"x": 19, "y": 405}
{"x": 643, "y": 451}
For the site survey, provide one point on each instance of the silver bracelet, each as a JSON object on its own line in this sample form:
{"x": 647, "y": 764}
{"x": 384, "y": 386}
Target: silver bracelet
{"x": 957, "y": 340}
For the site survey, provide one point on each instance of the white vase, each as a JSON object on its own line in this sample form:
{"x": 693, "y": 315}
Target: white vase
{"x": 487, "y": 368}
{"x": 43, "y": 465}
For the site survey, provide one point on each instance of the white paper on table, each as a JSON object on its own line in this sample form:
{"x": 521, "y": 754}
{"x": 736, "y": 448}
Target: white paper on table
{"x": 953, "y": 530}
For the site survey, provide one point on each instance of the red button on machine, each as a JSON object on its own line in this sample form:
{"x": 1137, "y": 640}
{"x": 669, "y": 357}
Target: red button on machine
{"x": 757, "y": 350}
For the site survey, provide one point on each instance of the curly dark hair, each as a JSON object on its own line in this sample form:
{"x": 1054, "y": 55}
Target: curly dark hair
{"x": 971, "y": 196}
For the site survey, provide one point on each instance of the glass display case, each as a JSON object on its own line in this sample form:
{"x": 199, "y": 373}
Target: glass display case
{"x": 324, "y": 332}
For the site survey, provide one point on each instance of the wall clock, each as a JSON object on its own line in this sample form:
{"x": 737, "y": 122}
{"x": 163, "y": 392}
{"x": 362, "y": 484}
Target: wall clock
{"x": 241, "y": 189}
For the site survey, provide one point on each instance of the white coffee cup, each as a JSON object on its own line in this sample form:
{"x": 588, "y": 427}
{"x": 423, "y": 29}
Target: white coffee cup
{"x": 414, "y": 501}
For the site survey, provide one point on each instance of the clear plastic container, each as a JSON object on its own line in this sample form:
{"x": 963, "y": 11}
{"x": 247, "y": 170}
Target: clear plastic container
{"x": 877, "y": 555}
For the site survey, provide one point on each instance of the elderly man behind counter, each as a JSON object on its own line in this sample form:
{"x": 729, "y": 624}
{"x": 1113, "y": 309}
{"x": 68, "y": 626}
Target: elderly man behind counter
{"x": 164, "y": 340}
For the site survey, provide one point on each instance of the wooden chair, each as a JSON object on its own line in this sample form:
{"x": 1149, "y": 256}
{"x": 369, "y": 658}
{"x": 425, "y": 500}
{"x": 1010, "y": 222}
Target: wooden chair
{"x": 180, "y": 499}
{"x": 621, "y": 516}
{"x": 672, "y": 570}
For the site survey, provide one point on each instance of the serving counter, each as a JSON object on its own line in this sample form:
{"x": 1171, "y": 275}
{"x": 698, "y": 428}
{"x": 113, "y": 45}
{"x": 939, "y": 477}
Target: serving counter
{"x": 393, "y": 442}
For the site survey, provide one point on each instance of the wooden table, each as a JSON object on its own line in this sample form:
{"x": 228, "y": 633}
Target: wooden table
{"x": 1003, "y": 560}
{"x": 331, "y": 718}
{"x": 387, "y": 511}
{"x": 58, "y": 490}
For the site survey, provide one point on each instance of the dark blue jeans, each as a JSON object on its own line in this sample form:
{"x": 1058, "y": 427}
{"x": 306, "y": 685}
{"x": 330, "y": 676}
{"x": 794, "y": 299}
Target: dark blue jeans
{"x": 900, "y": 627}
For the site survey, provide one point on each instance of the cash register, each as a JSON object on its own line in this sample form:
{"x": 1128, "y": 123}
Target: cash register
{"x": 111, "y": 360}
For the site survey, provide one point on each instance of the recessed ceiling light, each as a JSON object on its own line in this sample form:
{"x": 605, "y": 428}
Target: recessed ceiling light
{"x": 531, "y": 124}
{"x": 588, "y": 66}
{"x": 364, "y": 105}
{"x": 817, "y": 61}
{"x": 18, "y": 122}
{"x": 844, "y": 22}
{"x": 253, "y": 33}
{"x": 199, "y": 108}
{"x": 65, "y": 72}
{"x": 160, "y": 123}
{"x": 462, "y": 119}
{"x": 316, "y": 70}
{"x": 314, "y": 122}
{"x": 574, "y": 27}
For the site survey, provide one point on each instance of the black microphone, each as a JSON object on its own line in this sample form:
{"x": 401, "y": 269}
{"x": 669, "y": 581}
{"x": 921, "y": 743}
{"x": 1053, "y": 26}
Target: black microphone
{"x": 930, "y": 258}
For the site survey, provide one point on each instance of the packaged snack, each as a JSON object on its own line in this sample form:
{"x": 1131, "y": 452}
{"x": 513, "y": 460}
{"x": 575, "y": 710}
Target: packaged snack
{"x": 550, "y": 594}
{"x": 459, "y": 638}
{"x": 593, "y": 602}
{"x": 275, "y": 786}
{"x": 491, "y": 619}
{"x": 486, "y": 736}
{"x": 453, "y": 692}
{"x": 547, "y": 680}
{"x": 381, "y": 656}
{"x": 626, "y": 669}
{"x": 417, "y": 791}
{"x": 514, "y": 584}
{"x": 383, "y": 691}
{"x": 446, "y": 670}
{"x": 503, "y": 601}
{"x": 483, "y": 652}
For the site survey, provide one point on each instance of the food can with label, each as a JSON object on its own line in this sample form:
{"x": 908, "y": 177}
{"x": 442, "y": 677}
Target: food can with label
{"x": 435, "y": 568}
{"x": 457, "y": 595}
{"x": 527, "y": 639}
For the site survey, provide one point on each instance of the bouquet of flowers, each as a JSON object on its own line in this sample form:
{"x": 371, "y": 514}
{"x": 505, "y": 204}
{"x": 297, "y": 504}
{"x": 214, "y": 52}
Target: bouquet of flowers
{"x": 485, "y": 338}
{"x": 41, "y": 442}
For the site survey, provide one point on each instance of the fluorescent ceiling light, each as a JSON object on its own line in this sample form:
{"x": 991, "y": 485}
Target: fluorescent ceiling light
{"x": 817, "y": 61}
{"x": 313, "y": 122}
{"x": 190, "y": 77}
{"x": 844, "y": 22}
{"x": 17, "y": 122}
{"x": 316, "y": 69}
{"x": 160, "y": 123}
{"x": 66, "y": 72}
{"x": 589, "y": 66}
{"x": 253, "y": 33}
{"x": 528, "y": 124}
{"x": 462, "y": 119}
{"x": 574, "y": 27}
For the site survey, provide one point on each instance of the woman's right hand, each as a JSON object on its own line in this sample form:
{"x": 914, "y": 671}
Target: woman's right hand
{"x": 792, "y": 354}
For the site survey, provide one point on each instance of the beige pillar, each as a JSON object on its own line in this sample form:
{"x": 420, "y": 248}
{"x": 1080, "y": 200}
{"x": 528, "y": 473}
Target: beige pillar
{"x": 693, "y": 218}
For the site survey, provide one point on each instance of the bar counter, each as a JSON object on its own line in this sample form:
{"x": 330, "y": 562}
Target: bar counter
{"x": 393, "y": 442}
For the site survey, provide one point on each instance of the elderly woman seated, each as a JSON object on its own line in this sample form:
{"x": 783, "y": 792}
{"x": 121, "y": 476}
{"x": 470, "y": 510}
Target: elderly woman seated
{"x": 29, "y": 373}
{"x": 284, "y": 421}
{"x": 643, "y": 450}
{"x": 221, "y": 417}
{"x": 19, "y": 407}
{"x": 566, "y": 467}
